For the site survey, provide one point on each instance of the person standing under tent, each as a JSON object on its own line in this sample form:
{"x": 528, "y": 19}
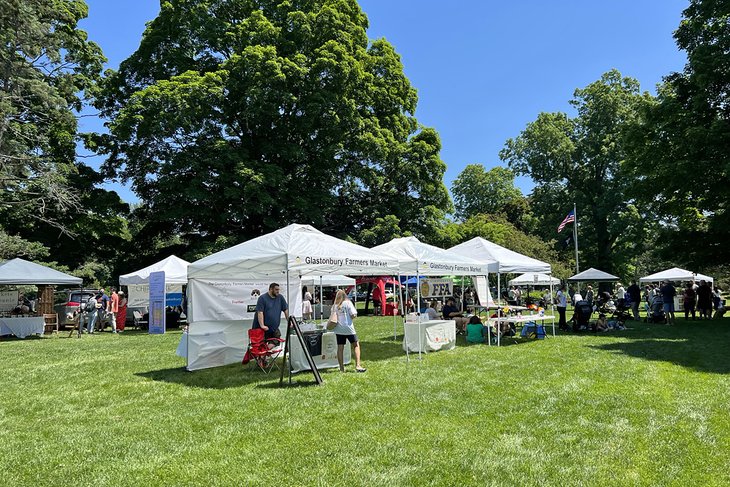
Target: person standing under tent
{"x": 589, "y": 295}
{"x": 562, "y": 298}
{"x": 92, "y": 311}
{"x": 113, "y": 309}
{"x": 620, "y": 292}
{"x": 689, "y": 297}
{"x": 704, "y": 300}
{"x": 345, "y": 330}
{"x": 668, "y": 292}
{"x": 269, "y": 308}
{"x": 634, "y": 292}
{"x": 122, "y": 313}
{"x": 307, "y": 309}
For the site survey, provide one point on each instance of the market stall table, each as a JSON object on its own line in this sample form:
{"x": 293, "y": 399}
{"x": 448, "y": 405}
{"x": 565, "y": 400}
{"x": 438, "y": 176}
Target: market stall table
{"x": 523, "y": 319}
{"x": 429, "y": 336}
{"x": 22, "y": 327}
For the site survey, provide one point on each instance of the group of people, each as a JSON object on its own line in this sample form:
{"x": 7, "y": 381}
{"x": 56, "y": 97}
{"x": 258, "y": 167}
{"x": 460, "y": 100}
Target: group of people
{"x": 271, "y": 305}
{"x": 697, "y": 299}
{"x": 101, "y": 309}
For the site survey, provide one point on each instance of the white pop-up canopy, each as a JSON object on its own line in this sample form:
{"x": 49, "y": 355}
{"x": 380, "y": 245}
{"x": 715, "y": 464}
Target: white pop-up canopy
{"x": 175, "y": 268}
{"x": 534, "y": 279}
{"x": 504, "y": 261}
{"x": 593, "y": 275}
{"x": 19, "y": 271}
{"x": 676, "y": 274}
{"x": 418, "y": 258}
{"x": 224, "y": 287}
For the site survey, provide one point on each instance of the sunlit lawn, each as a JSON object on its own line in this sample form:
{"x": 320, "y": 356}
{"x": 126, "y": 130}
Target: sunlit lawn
{"x": 647, "y": 406}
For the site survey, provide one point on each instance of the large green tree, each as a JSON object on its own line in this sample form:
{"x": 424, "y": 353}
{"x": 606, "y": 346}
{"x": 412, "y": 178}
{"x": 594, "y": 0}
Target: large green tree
{"x": 581, "y": 159}
{"x": 47, "y": 67}
{"x": 236, "y": 117}
{"x": 478, "y": 191}
{"x": 680, "y": 158}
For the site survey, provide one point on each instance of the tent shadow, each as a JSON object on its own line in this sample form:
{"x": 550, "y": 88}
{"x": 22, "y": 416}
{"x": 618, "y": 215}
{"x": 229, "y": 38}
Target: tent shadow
{"x": 697, "y": 346}
{"x": 225, "y": 377}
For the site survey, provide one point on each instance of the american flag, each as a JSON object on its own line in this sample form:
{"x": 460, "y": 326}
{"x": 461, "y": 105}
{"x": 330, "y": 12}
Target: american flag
{"x": 568, "y": 219}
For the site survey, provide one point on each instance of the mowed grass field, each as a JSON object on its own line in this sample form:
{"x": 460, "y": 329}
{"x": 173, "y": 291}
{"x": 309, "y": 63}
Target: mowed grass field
{"x": 646, "y": 406}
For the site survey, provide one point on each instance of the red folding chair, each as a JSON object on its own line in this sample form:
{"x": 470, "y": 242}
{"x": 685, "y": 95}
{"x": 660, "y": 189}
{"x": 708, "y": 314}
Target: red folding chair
{"x": 262, "y": 351}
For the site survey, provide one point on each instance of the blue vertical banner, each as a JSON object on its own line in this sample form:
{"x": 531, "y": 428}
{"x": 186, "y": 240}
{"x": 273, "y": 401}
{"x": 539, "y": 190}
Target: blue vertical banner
{"x": 157, "y": 303}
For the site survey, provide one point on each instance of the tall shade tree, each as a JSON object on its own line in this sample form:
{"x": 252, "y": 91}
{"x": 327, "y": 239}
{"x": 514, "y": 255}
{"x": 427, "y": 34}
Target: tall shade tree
{"x": 236, "y": 117}
{"x": 47, "y": 67}
{"x": 680, "y": 157}
{"x": 477, "y": 190}
{"x": 580, "y": 159}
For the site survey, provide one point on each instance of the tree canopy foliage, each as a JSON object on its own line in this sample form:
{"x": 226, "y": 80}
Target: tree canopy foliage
{"x": 233, "y": 117}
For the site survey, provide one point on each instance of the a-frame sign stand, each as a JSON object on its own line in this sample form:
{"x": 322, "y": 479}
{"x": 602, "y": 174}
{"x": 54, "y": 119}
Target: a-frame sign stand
{"x": 293, "y": 325}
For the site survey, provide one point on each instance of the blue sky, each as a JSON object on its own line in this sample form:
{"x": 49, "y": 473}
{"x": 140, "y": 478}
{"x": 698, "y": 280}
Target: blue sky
{"x": 483, "y": 69}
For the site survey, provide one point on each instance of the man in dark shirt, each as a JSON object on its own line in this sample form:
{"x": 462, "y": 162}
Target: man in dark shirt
{"x": 634, "y": 292}
{"x": 451, "y": 312}
{"x": 268, "y": 312}
{"x": 668, "y": 292}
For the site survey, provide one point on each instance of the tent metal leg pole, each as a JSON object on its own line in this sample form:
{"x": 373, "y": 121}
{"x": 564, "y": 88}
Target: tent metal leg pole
{"x": 418, "y": 313}
{"x": 395, "y": 324}
{"x": 499, "y": 308}
{"x": 552, "y": 308}
{"x": 321, "y": 299}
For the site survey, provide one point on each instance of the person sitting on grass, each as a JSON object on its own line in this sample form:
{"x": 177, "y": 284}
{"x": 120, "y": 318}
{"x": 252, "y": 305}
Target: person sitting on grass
{"x": 602, "y": 323}
{"x": 475, "y": 330}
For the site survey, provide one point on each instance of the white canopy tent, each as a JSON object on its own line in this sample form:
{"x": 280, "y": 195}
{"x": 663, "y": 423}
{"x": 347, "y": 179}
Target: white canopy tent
{"x": 175, "y": 268}
{"x": 223, "y": 287}
{"x": 176, "y": 275}
{"x": 416, "y": 258}
{"x": 534, "y": 279}
{"x": 593, "y": 275}
{"x": 676, "y": 274}
{"x": 505, "y": 261}
{"x": 19, "y": 272}
{"x": 328, "y": 280}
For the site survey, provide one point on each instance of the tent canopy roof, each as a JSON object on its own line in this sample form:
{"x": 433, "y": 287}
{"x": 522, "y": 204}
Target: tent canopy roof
{"x": 498, "y": 258}
{"x": 675, "y": 274}
{"x": 19, "y": 271}
{"x": 300, "y": 249}
{"x": 534, "y": 279}
{"x": 593, "y": 275}
{"x": 176, "y": 272}
{"x": 421, "y": 258}
{"x": 330, "y": 280}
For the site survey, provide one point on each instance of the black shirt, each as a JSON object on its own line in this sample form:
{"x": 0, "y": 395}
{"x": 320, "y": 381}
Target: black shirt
{"x": 635, "y": 293}
{"x": 447, "y": 310}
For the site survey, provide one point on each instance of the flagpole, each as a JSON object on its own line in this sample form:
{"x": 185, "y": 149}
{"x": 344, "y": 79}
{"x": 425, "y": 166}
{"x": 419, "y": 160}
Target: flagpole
{"x": 575, "y": 238}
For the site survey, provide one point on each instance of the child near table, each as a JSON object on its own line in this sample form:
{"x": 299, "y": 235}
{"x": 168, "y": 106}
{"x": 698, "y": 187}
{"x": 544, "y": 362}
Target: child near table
{"x": 475, "y": 330}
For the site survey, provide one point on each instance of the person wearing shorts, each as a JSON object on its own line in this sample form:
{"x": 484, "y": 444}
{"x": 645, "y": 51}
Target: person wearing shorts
{"x": 345, "y": 330}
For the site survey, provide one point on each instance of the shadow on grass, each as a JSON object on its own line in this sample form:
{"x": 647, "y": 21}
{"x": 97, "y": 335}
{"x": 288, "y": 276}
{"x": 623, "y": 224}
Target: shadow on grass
{"x": 700, "y": 346}
{"x": 225, "y": 377}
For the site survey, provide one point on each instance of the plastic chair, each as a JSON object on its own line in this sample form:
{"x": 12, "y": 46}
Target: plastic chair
{"x": 50, "y": 322}
{"x": 138, "y": 321}
{"x": 262, "y": 351}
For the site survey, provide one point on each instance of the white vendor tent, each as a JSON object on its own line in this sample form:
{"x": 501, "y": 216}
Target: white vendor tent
{"x": 534, "y": 279}
{"x": 593, "y": 275}
{"x": 676, "y": 274}
{"x": 505, "y": 261}
{"x": 19, "y": 271}
{"x": 223, "y": 287}
{"x": 175, "y": 268}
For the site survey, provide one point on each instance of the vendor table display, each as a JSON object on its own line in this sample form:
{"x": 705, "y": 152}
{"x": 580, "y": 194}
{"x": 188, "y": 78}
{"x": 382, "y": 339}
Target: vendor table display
{"x": 523, "y": 319}
{"x": 22, "y": 327}
{"x": 429, "y": 336}
{"x": 323, "y": 348}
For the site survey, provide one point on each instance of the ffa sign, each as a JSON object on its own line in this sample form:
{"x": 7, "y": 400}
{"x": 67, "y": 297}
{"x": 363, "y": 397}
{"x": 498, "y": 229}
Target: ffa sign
{"x": 437, "y": 288}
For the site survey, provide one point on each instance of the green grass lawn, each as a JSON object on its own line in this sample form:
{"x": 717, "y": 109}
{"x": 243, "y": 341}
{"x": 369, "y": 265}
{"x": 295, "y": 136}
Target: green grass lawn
{"x": 647, "y": 406}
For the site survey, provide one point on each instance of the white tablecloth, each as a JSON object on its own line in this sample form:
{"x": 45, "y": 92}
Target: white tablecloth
{"x": 434, "y": 335}
{"x": 328, "y": 358}
{"x": 21, "y": 327}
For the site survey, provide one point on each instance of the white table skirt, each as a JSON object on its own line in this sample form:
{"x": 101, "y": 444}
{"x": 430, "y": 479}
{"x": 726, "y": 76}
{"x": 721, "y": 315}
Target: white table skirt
{"x": 22, "y": 327}
{"x": 328, "y": 358}
{"x": 434, "y": 335}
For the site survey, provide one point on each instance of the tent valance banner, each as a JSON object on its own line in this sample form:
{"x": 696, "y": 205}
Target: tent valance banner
{"x": 8, "y": 300}
{"x": 437, "y": 288}
{"x": 138, "y": 295}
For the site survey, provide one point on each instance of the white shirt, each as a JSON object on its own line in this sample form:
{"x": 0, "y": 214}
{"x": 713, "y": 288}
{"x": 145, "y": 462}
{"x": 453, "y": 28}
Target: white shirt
{"x": 577, "y": 297}
{"x": 621, "y": 293}
{"x": 345, "y": 313}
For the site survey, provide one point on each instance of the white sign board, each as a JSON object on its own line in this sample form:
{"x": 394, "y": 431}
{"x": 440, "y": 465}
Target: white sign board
{"x": 437, "y": 288}
{"x": 139, "y": 295}
{"x": 235, "y": 300}
{"x": 8, "y": 300}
